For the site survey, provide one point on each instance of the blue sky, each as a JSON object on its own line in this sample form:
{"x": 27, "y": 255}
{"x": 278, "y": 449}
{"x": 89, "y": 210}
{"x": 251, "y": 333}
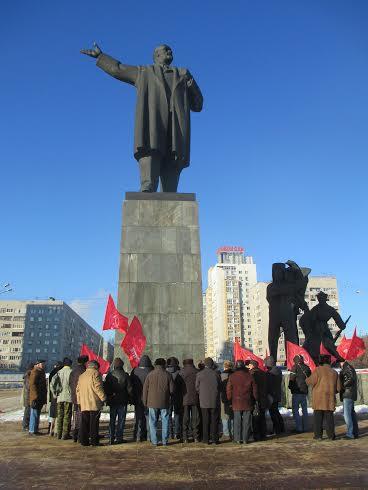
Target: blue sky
{"x": 279, "y": 152}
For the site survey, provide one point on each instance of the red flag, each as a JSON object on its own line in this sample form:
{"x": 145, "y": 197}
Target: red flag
{"x": 295, "y": 350}
{"x": 134, "y": 342}
{"x": 343, "y": 347}
{"x": 104, "y": 365}
{"x": 324, "y": 351}
{"x": 356, "y": 347}
{"x": 113, "y": 319}
{"x": 241, "y": 354}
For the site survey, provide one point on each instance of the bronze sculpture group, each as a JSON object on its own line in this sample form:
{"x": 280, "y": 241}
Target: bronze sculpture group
{"x": 286, "y": 298}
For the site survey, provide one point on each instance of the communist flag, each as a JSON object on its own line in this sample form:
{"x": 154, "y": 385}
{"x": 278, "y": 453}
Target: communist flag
{"x": 356, "y": 347}
{"x": 241, "y": 354}
{"x": 104, "y": 365}
{"x": 113, "y": 319}
{"x": 134, "y": 342}
{"x": 295, "y": 350}
{"x": 324, "y": 351}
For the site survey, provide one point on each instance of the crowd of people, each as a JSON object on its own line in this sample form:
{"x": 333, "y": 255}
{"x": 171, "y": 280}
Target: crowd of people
{"x": 199, "y": 404}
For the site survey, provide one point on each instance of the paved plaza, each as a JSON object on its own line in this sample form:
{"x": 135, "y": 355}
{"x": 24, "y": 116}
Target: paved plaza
{"x": 293, "y": 461}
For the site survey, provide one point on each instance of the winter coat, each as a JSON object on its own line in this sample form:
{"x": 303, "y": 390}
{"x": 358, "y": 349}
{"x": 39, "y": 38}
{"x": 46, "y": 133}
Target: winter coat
{"x": 73, "y": 380}
{"x": 226, "y": 405}
{"x": 138, "y": 377}
{"x": 260, "y": 377}
{"x": 188, "y": 374}
{"x": 348, "y": 382}
{"x": 325, "y": 383}
{"x": 60, "y": 385}
{"x": 208, "y": 386}
{"x": 25, "y": 390}
{"x": 274, "y": 380}
{"x": 90, "y": 392}
{"x": 118, "y": 387}
{"x": 177, "y": 396}
{"x": 241, "y": 390}
{"x": 154, "y": 113}
{"x": 37, "y": 387}
{"x": 158, "y": 388}
{"x": 298, "y": 375}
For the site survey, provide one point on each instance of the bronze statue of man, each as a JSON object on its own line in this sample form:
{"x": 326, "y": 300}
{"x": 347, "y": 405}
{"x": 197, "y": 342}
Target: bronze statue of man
{"x": 165, "y": 97}
{"x": 314, "y": 324}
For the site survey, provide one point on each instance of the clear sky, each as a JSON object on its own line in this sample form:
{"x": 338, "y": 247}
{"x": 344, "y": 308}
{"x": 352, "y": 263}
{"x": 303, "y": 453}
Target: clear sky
{"x": 279, "y": 152}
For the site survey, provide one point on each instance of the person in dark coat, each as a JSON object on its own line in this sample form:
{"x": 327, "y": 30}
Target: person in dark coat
{"x": 274, "y": 380}
{"x": 138, "y": 377}
{"x": 241, "y": 391}
{"x": 37, "y": 395}
{"x": 157, "y": 391}
{"x": 119, "y": 393}
{"x": 227, "y": 415}
{"x": 53, "y": 399}
{"x": 259, "y": 412}
{"x": 208, "y": 386}
{"x": 79, "y": 369}
{"x": 349, "y": 395}
{"x": 191, "y": 419}
{"x": 176, "y": 401}
{"x": 299, "y": 392}
{"x": 25, "y": 397}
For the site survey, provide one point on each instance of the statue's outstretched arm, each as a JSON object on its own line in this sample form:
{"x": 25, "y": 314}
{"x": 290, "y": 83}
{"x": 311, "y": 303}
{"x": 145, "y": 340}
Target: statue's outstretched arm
{"x": 125, "y": 73}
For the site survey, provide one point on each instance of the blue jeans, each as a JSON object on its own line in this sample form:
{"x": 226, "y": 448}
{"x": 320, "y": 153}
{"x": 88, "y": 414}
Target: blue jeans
{"x": 119, "y": 412}
{"x": 350, "y": 418}
{"x": 301, "y": 423}
{"x": 34, "y": 420}
{"x": 227, "y": 426}
{"x": 154, "y": 414}
{"x": 242, "y": 425}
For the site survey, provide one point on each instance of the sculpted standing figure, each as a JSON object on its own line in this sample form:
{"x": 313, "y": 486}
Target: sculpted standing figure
{"x": 285, "y": 296}
{"x": 165, "y": 97}
{"x": 314, "y": 324}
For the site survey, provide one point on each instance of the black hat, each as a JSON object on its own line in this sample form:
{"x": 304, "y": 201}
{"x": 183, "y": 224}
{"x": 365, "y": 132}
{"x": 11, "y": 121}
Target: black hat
{"x": 40, "y": 361}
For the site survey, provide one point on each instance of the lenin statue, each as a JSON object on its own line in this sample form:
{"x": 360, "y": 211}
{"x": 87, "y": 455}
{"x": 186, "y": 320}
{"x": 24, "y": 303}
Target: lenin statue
{"x": 165, "y": 97}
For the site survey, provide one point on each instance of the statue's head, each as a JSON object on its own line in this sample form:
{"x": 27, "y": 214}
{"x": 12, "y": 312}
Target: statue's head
{"x": 278, "y": 272}
{"x": 322, "y": 297}
{"x": 163, "y": 55}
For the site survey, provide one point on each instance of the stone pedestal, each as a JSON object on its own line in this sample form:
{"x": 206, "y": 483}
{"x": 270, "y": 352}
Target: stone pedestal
{"x": 160, "y": 273}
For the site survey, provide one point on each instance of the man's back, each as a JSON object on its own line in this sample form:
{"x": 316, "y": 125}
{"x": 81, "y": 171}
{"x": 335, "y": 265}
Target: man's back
{"x": 64, "y": 376}
{"x": 157, "y": 388}
{"x": 188, "y": 375}
{"x": 208, "y": 384}
{"x": 90, "y": 393}
{"x": 241, "y": 390}
{"x": 73, "y": 380}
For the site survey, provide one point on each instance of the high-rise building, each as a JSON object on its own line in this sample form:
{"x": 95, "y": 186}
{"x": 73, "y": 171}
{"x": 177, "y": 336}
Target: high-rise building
{"x": 259, "y": 312}
{"x": 226, "y": 302}
{"x": 43, "y": 329}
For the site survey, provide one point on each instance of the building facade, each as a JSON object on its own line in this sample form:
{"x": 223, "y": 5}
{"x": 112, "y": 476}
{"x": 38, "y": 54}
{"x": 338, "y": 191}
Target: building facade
{"x": 226, "y": 301}
{"x": 43, "y": 329}
{"x": 259, "y": 312}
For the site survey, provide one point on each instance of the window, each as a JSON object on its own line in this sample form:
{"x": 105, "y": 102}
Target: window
{"x": 38, "y": 350}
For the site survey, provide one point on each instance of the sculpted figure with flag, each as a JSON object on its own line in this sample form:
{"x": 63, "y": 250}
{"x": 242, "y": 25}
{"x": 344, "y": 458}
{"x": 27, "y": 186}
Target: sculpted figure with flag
{"x": 314, "y": 324}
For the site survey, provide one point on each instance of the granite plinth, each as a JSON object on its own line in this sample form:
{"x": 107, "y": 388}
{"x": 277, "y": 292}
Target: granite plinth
{"x": 160, "y": 278}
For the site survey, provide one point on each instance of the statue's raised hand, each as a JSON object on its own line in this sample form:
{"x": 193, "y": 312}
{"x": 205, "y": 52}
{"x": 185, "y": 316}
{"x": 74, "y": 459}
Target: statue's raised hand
{"x": 95, "y": 52}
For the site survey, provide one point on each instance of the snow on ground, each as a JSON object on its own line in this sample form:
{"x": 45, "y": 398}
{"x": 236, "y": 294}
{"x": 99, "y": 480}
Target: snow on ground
{"x": 17, "y": 415}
